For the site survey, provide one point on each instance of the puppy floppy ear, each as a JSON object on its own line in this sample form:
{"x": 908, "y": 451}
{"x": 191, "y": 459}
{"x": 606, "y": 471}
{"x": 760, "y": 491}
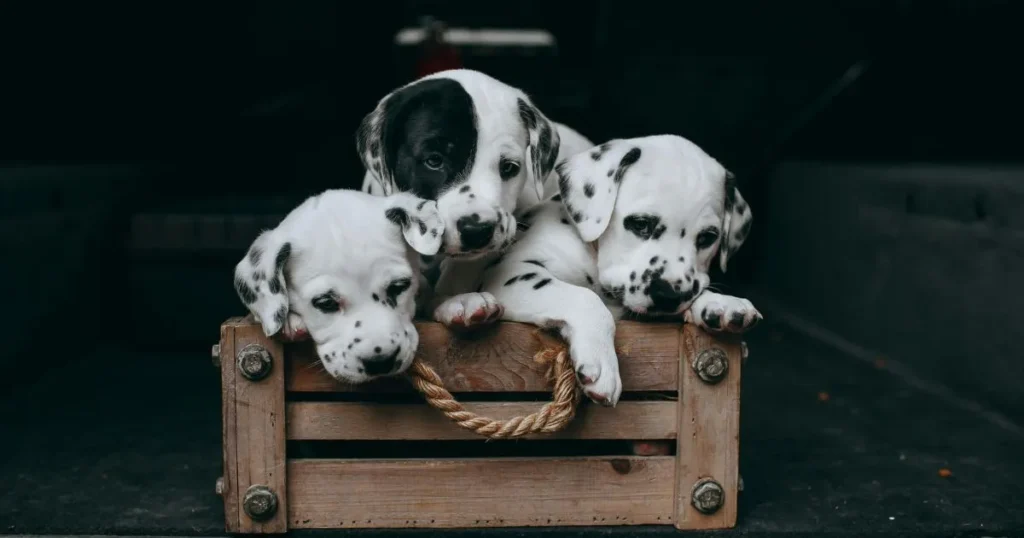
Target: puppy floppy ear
{"x": 260, "y": 281}
{"x": 370, "y": 146}
{"x": 419, "y": 220}
{"x": 736, "y": 223}
{"x": 589, "y": 183}
{"x": 542, "y": 145}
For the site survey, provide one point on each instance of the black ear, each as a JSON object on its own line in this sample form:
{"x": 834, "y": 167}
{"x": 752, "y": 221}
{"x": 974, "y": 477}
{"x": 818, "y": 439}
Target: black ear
{"x": 542, "y": 144}
{"x": 736, "y": 222}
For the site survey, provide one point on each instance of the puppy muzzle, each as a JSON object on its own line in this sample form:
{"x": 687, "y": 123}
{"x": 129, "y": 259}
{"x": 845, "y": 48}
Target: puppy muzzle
{"x": 479, "y": 232}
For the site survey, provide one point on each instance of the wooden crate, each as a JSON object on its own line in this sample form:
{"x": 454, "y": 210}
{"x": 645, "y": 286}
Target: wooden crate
{"x": 670, "y": 393}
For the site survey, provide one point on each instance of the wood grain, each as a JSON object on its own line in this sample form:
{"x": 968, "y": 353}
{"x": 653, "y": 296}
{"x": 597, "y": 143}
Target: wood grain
{"x": 501, "y": 359}
{"x": 709, "y": 429}
{"x": 393, "y": 422}
{"x": 254, "y": 430}
{"x": 506, "y": 492}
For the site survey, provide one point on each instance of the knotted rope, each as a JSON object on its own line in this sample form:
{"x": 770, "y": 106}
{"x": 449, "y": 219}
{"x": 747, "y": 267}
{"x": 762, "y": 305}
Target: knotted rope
{"x": 551, "y": 417}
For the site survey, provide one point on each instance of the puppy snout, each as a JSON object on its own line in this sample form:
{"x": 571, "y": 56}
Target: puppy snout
{"x": 475, "y": 233}
{"x": 668, "y": 297}
{"x": 381, "y": 363}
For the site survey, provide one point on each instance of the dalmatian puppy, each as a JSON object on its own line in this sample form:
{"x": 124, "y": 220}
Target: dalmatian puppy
{"x": 342, "y": 268}
{"x": 633, "y": 233}
{"x": 480, "y": 149}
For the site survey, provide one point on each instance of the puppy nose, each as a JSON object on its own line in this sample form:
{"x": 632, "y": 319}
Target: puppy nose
{"x": 474, "y": 233}
{"x": 381, "y": 363}
{"x": 664, "y": 296}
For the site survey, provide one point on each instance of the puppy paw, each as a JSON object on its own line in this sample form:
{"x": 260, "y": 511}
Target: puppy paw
{"x": 597, "y": 368}
{"x": 294, "y": 329}
{"x": 468, "y": 310}
{"x": 723, "y": 313}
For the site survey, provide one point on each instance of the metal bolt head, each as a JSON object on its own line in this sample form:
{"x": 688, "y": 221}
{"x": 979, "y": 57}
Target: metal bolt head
{"x": 711, "y": 365}
{"x": 259, "y": 503}
{"x": 219, "y": 486}
{"x": 254, "y": 362}
{"x": 215, "y": 355}
{"x": 707, "y": 496}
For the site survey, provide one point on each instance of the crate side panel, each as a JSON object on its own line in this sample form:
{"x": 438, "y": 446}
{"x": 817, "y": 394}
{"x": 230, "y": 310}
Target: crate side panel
{"x": 501, "y": 359}
{"x": 709, "y": 430}
{"x": 395, "y": 422}
{"x": 506, "y": 492}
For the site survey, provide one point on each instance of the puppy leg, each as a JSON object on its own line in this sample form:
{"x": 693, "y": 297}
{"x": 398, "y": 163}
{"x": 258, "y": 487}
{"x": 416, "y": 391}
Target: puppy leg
{"x": 715, "y": 312}
{"x": 531, "y": 294}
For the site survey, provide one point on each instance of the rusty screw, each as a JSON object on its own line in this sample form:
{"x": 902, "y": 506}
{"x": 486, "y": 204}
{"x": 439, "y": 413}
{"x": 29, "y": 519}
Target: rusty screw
{"x": 215, "y": 355}
{"x": 259, "y": 503}
{"x": 707, "y": 496}
{"x": 254, "y": 362}
{"x": 711, "y": 365}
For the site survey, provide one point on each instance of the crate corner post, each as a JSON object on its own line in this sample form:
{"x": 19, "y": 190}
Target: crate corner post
{"x": 707, "y": 450}
{"x": 253, "y": 419}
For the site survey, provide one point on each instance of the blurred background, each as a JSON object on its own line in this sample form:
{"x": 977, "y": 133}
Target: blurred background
{"x": 143, "y": 145}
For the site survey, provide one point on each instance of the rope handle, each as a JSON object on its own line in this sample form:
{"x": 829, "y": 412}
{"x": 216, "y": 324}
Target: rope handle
{"x": 553, "y": 416}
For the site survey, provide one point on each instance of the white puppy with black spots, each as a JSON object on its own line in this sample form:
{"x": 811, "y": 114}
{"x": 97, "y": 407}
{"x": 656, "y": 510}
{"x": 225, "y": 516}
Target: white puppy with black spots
{"x": 342, "y": 268}
{"x": 633, "y": 232}
{"x": 479, "y": 148}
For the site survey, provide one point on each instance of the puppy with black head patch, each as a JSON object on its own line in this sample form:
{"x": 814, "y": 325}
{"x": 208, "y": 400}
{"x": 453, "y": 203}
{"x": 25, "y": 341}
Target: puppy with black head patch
{"x": 479, "y": 148}
{"x": 342, "y": 268}
{"x": 633, "y": 231}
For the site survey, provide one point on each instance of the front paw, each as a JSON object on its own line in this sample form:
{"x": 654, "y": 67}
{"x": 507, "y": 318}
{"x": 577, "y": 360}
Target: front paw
{"x": 723, "y": 313}
{"x": 468, "y": 310}
{"x": 597, "y": 368}
{"x": 294, "y": 329}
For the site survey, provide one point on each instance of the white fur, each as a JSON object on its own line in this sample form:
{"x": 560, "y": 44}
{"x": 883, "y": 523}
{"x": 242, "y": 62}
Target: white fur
{"x": 565, "y": 274}
{"x": 343, "y": 243}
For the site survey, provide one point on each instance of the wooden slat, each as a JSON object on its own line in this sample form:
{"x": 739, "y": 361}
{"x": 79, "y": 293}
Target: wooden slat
{"x": 500, "y": 359}
{"x": 254, "y": 431}
{"x": 480, "y": 492}
{"x": 709, "y": 428}
{"x": 394, "y": 422}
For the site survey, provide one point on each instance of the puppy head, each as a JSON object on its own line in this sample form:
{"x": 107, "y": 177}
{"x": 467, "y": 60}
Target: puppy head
{"x": 466, "y": 140}
{"x": 660, "y": 209}
{"x": 343, "y": 267}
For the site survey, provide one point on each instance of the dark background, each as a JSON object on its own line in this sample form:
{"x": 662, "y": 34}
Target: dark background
{"x": 143, "y": 144}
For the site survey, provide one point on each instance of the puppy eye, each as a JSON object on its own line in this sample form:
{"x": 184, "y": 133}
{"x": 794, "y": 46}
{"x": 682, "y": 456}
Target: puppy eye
{"x": 706, "y": 238}
{"x": 326, "y": 303}
{"x": 642, "y": 226}
{"x": 397, "y": 288}
{"x": 434, "y": 161}
{"x": 508, "y": 169}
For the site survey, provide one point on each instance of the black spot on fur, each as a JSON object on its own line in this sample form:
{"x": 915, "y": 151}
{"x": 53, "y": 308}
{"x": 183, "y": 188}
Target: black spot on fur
{"x": 527, "y": 114}
{"x": 275, "y": 285}
{"x": 258, "y": 276}
{"x": 376, "y": 298}
{"x": 736, "y": 320}
{"x": 557, "y": 198}
{"x": 566, "y": 222}
{"x": 654, "y": 260}
{"x": 377, "y": 349}
{"x": 359, "y": 324}
{"x": 423, "y": 226}
{"x": 281, "y": 314}
{"x": 588, "y": 190}
{"x": 590, "y": 280}
{"x": 464, "y": 188}
{"x": 682, "y": 258}
{"x": 398, "y": 216}
{"x": 282, "y": 256}
{"x": 629, "y": 159}
{"x": 254, "y": 255}
{"x": 245, "y": 293}
{"x": 527, "y": 217}
{"x": 534, "y": 262}
{"x": 577, "y": 216}
{"x": 542, "y": 283}
{"x": 433, "y": 233}
{"x": 658, "y": 231}
{"x": 632, "y": 276}
{"x": 682, "y": 233}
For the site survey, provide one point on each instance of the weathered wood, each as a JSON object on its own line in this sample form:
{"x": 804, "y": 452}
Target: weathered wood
{"x": 501, "y": 359}
{"x": 503, "y": 492}
{"x": 709, "y": 426}
{"x": 393, "y": 422}
{"x": 254, "y": 430}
